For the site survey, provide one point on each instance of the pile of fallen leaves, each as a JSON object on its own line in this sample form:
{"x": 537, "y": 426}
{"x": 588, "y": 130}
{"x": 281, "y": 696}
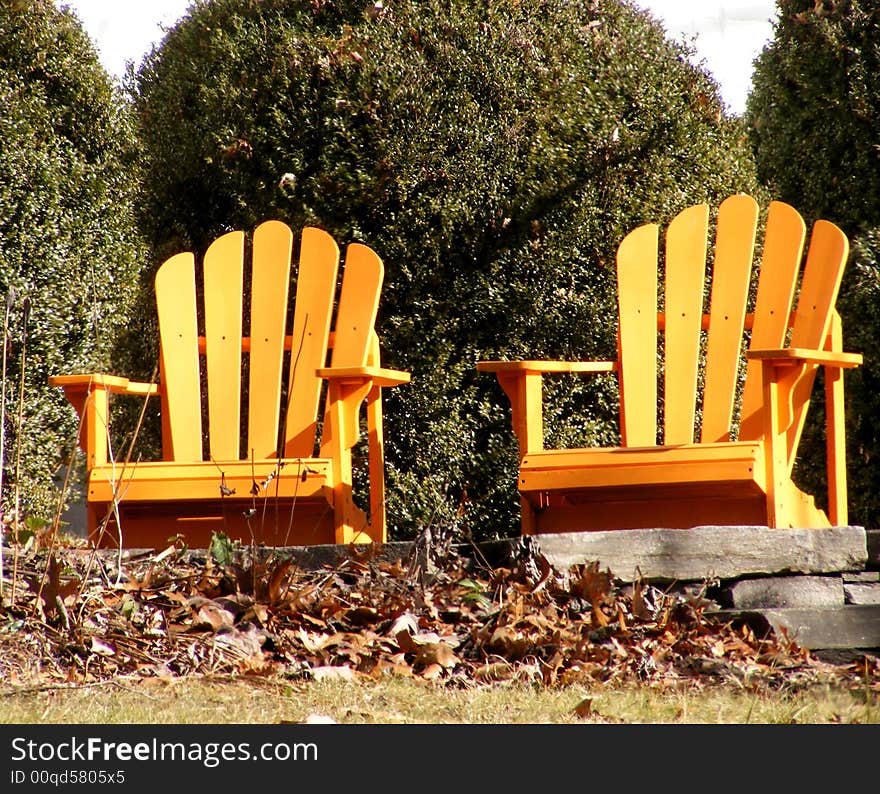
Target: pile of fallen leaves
{"x": 74, "y": 615}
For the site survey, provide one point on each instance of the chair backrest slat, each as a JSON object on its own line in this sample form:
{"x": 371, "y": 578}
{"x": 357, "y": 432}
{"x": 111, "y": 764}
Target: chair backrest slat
{"x": 315, "y": 294}
{"x": 181, "y": 395}
{"x": 820, "y": 283}
{"x": 637, "y": 305}
{"x": 734, "y": 253}
{"x": 223, "y": 281}
{"x": 358, "y": 305}
{"x": 270, "y": 280}
{"x": 685, "y": 276}
{"x": 271, "y": 349}
{"x": 705, "y": 351}
{"x": 777, "y": 281}
{"x": 823, "y": 271}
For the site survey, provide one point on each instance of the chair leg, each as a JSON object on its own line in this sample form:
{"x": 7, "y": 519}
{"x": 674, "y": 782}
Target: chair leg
{"x": 376, "y": 447}
{"x": 528, "y": 517}
{"x": 835, "y": 431}
{"x": 775, "y": 451}
{"x": 342, "y": 415}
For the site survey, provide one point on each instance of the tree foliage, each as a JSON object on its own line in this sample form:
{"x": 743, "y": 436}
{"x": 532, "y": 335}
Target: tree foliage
{"x": 814, "y": 116}
{"x": 492, "y": 153}
{"x": 67, "y": 245}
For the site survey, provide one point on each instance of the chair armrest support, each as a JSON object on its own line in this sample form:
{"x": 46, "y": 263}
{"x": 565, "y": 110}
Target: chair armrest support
{"x": 781, "y": 377}
{"x": 89, "y": 395}
{"x": 348, "y": 388}
{"x": 522, "y": 382}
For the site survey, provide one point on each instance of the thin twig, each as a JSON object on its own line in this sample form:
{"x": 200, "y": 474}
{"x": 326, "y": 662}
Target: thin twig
{"x": 118, "y": 485}
{"x": 25, "y": 312}
{"x": 56, "y": 522}
{"x": 10, "y": 299}
{"x": 280, "y": 451}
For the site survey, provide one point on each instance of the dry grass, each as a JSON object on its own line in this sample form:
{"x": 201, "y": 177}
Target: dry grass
{"x": 184, "y": 640}
{"x": 268, "y": 701}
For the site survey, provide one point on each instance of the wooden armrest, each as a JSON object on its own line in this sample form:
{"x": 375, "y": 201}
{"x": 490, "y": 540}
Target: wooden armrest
{"x": 89, "y": 395}
{"x": 799, "y": 355}
{"x": 522, "y": 383}
{"x": 380, "y": 376}
{"x": 98, "y": 380}
{"x": 547, "y": 366}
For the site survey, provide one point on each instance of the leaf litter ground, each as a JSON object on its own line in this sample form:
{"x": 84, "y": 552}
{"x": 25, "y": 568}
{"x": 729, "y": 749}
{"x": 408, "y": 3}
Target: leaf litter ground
{"x": 71, "y": 615}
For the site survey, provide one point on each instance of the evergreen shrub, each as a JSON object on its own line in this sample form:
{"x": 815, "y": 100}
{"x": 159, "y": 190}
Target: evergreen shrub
{"x": 814, "y": 120}
{"x": 68, "y": 245}
{"x": 492, "y": 153}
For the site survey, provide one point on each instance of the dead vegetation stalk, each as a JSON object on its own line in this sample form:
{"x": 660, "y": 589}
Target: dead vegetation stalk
{"x": 16, "y": 547}
{"x": 10, "y": 299}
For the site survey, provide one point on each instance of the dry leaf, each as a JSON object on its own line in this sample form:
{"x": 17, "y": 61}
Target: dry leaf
{"x": 584, "y": 709}
{"x": 509, "y": 643}
{"x": 639, "y": 606}
{"x": 496, "y": 671}
{"x": 407, "y": 622}
{"x": 312, "y": 641}
{"x": 54, "y": 591}
{"x": 241, "y": 644}
{"x": 436, "y": 653}
{"x": 277, "y": 589}
{"x": 362, "y": 616}
{"x": 331, "y": 673}
{"x": 102, "y": 648}
{"x": 432, "y": 672}
{"x": 211, "y": 615}
{"x": 596, "y": 587}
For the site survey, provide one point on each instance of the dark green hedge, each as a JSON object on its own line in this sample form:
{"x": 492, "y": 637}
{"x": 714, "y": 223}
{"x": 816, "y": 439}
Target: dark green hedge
{"x": 493, "y": 153}
{"x": 814, "y": 116}
{"x": 67, "y": 244}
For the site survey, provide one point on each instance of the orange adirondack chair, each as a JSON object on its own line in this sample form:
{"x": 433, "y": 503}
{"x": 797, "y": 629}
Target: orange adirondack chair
{"x": 696, "y": 474}
{"x": 287, "y": 483}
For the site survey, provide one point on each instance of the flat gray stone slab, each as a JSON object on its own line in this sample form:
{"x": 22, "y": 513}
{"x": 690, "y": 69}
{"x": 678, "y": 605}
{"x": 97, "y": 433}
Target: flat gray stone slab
{"x": 709, "y": 552}
{"x": 787, "y": 591}
{"x": 873, "y": 538}
{"x": 861, "y": 577}
{"x": 866, "y": 593}
{"x": 850, "y": 626}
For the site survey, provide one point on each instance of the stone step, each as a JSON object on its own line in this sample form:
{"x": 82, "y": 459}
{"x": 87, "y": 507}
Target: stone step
{"x": 803, "y": 592}
{"x": 873, "y": 548}
{"x": 851, "y": 626}
{"x": 861, "y": 577}
{"x": 862, "y": 593}
{"x": 709, "y": 552}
